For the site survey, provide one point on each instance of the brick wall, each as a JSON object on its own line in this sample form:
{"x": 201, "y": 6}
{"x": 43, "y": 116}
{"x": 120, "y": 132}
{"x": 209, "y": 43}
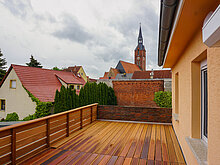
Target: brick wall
{"x": 137, "y": 92}
{"x": 145, "y": 114}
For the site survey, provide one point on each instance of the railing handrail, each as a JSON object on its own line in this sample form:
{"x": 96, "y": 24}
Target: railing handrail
{"x": 44, "y": 118}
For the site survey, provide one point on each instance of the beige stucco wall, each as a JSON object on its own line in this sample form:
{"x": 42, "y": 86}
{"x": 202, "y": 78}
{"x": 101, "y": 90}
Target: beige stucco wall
{"x": 82, "y": 73}
{"x": 188, "y": 69}
{"x": 17, "y": 100}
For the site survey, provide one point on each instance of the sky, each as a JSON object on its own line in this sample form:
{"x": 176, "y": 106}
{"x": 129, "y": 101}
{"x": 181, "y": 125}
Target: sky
{"x": 95, "y": 34}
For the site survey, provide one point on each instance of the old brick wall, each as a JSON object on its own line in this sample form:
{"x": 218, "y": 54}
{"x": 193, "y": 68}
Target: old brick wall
{"x": 137, "y": 92}
{"x": 144, "y": 114}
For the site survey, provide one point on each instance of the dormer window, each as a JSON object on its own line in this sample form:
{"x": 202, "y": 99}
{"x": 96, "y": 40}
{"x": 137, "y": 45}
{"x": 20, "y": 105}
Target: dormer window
{"x": 13, "y": 84}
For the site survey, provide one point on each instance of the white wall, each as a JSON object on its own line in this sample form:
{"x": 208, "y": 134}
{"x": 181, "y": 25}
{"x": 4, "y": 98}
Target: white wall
{"x": 17, "y": 100}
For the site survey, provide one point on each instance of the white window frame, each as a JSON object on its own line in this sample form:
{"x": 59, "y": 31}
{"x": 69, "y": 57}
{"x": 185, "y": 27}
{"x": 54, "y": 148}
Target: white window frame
{"x": 203, "y": 69}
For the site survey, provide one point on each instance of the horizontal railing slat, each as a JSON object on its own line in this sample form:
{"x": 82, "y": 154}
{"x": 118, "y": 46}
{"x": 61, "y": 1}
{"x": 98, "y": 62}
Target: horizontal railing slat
{"x": 20, "y": 141}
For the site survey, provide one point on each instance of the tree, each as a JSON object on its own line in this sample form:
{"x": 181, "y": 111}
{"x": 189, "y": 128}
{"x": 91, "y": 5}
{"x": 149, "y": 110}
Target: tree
{"x": 56, "y": 68}
{"x": 2, "y": 66}
{"x": 34, "y": 63}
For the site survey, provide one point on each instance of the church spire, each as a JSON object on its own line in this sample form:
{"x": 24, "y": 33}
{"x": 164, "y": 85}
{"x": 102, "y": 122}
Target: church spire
{"x": 140, "y": 35}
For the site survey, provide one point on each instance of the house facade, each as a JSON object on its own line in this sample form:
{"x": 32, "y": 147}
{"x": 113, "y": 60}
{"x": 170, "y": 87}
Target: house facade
{"x": 41, "y": 83}
{"x": 190, "y": 47}
{"x": 78, "y": 71}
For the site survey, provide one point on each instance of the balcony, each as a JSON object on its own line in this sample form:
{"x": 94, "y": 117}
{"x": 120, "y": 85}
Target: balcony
{"x": 76, "y": 137}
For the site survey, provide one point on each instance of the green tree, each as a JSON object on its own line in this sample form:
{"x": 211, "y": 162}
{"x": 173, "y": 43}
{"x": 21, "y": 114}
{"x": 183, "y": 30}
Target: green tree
{"x": 2, "y": 66}
{"x": 34, "y": 63}
{"x": 56, "y": 68}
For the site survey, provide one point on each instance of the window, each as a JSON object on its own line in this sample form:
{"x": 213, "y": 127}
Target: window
{"x": 78, "y": 87}
{"x": 82, "y": 74}
{"x": 13, "y": 84}
{"x": 72, "y": 87}
{"x": 2, "y": 104}
{"x": 204, "y": 101}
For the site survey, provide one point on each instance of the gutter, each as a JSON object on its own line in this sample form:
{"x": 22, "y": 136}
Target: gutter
{"x": 167, "y": 14}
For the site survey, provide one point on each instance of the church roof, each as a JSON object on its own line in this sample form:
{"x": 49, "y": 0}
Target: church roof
{"x": 129, "y": 67}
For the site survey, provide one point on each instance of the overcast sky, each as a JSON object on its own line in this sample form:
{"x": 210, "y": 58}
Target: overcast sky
{"x": 93, "y": 33}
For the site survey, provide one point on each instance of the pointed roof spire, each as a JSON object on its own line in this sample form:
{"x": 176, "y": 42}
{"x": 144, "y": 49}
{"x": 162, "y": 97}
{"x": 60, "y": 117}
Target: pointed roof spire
{"x": 140, "y": 33}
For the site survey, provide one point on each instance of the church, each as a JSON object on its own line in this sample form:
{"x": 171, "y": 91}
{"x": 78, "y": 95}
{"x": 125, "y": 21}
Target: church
{"x": 125, "y": 70}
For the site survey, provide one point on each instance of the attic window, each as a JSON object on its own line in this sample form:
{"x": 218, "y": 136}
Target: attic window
{"x": 13, "y": 84}
{"x": 2, "y": 104}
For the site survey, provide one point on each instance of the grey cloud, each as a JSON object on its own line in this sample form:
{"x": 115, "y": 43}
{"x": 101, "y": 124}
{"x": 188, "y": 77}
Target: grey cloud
{"x": 18, "y": 8}
{"x": 72, "y": 30}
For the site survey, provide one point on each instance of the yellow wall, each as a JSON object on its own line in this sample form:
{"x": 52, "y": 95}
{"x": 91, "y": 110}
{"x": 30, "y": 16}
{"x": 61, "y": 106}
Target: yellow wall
{"x": 82, "y": 74}
{"x": 17, "y": 100}
{"x": 188, "y": 70}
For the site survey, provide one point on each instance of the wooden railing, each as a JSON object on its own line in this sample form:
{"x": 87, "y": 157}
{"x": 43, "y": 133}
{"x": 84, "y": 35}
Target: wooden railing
{"x": 21, "y": 141}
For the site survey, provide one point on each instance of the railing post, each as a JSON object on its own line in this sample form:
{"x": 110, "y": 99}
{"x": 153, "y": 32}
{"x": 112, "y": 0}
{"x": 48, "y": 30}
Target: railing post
{"x": 81, "y": 120}
{"x": 91, "y": 114}
{"x": 13, "y": 146}
{"x": 67, "y": 125}
{"x": 48, "y": 132}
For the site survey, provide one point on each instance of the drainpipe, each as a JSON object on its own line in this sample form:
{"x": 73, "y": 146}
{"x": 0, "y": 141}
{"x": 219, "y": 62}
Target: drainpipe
{"x": 167, "y": 12}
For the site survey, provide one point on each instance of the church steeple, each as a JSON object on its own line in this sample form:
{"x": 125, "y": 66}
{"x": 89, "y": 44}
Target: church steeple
{"x": 140, "y": 39}
{"x": 140, "y": 52}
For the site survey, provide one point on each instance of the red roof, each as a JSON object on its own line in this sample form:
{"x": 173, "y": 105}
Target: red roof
{"x": 157, "y": 74}
{"x": 129, "y": 67}
{"x": 43, "y": 83}
{"x": 73, "y": 69}
{"x": 105, "y": 76}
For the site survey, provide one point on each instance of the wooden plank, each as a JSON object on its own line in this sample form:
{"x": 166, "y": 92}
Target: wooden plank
{"x": 48, "y": 132}
{"x": 171, "y": 151}
{"x": 127, "y": 146}
{"x": 58, "y": 128}
{"x": 57, "y": 118}
{"x": 30, "y": 126}
{"x": 5, "y": 140}
{"x": 57, "y": 134}
{"x": 105, "y": 160}
{"x": 67, "y": 125}
{"x": 151, "y": 152}
{"x": 60, "y": 158}
{"x": 120, "y": 160}
{"x": 112, "y": 160}
{"x": 165, "y": 156}
{"x": 158, "y": 156}
{"x": 142, "y": 162}
{"x": 144, "y": 153}
{"x": 30, "y": 139}
{"x": 127, "y": 161}
{"x": 76, "y": 158}
{"x": 81, "y": 122}
{"x": 140, "y": 143}
{"x": 69, "y": 158}
{"x": 97, "y": 160}
{"x": 22, "y": 160}
{"x": 5, "y": 159}
{"x": 83, "y": 159}
{"x": 30, "y": 147}
{"x": 178, "y": 151}
{"x": 135, "y": 161}
{"x": 5, "y": 133}
{"x": 90, "y": 159}
{"x": 134, "y": 143}
{"x": 36, "y": 130}
{"x": 5, "y": 149}
{"x": 58, "y": 122}
{"x": 13, "y": 146}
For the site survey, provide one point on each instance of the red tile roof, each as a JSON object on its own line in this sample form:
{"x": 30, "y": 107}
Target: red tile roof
{"x": 73, "y": 69}
{"x": 105, "y": 76}
{"x": 43, "y": 83}
{"x": 157, "y": 74}
{"x": 129, "y": 67}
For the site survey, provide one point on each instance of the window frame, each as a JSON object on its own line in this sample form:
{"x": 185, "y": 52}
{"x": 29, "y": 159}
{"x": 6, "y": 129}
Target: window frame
{"x": 204, "y": 100}
{"x": 1, "y": 104}
{"x": 11, "y": 84}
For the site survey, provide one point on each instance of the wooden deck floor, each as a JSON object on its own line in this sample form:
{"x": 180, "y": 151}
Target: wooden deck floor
{"x": 115, "y": 143}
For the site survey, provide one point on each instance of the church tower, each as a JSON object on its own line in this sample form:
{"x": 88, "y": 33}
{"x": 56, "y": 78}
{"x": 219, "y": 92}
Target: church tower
{"x": 140, "y": 53}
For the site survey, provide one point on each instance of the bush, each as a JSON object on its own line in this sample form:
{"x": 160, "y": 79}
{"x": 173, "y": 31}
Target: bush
{"x": 163, "y": 99}
{"x": 12, "y": 117}
{"x": 30, "y": 117}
